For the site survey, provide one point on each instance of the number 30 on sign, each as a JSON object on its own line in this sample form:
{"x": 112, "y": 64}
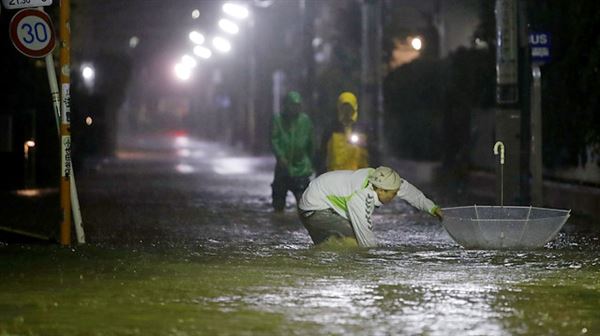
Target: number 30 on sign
{"x": 31, "y": 33}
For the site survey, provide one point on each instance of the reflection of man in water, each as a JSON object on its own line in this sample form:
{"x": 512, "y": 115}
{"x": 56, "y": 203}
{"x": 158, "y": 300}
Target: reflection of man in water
{"x": 293, "y": 145}
{"x": 339, "y": 204}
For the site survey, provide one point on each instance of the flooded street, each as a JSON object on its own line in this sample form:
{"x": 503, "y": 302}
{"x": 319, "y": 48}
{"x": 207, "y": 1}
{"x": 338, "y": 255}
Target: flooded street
{"x": 183, "y": 241}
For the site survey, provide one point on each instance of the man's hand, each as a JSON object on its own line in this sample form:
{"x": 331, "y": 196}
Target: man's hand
{"x": 437, "y": 212}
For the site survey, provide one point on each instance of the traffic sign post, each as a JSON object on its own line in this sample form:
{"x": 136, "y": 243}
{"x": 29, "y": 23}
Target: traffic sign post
{"x": 540, "y": 45}
{"x": 31, "y": 32}
{"x": 18, "y": 4}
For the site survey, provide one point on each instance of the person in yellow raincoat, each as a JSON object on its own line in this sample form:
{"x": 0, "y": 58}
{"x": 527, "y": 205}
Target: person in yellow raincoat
{"x": 343, "y": 147}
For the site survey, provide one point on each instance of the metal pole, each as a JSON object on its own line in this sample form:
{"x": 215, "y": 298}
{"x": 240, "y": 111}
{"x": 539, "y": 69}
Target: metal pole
{"x": 381, "y": 141}
{"x": 508, "y": 112}
{"x": 65, "y": 129}
{"x": 53, "y": 88}
{"x": 252, "y": 87}
{"x": 76, "y": 211}
{"x": 536, "y": 137}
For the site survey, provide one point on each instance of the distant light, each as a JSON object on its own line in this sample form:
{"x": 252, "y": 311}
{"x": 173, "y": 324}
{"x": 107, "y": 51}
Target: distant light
{"x": 88, "y": 73}
{"x": 181, "y": 141}
{"x": 196, "y": 37}
{"x": 228, "y": 26}
{"x": 26, "y": 147}
{"x": 221, "y": 44}
{"x": 202, "y": 52}
{"x": 416, "y": 43}
{"x": 480, "y": 44}
{"x": 316, "y": 42}
{"x": 184, "y": 152}
{"x": 88, "y": 120}
{"x": 188, "y": 61}
{"x": 182, "y": 72}
{"x": 230, "y": 166}
{"x": 29, "y": 192}
{"x": 263, "y": 3}
{"x": 133, "y": 42}
{"x": 195, "y": 14}
{"x": 184, "y": 168}
{"x": 354, "y": 138}
{"x": 235, "y": 10}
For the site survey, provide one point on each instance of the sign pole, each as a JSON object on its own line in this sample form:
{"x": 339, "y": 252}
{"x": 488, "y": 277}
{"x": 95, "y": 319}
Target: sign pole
{"x": 536, "y": 137}
{"x": 53, "y": 90}
{"x": 65, "y": 127}
{"x": 76, "y": 211}
{"x": 540, "y": 45}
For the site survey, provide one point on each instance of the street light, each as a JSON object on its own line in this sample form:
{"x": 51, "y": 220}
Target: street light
{"x": 28, "y": 146}
{"x": 182, "y": 72}
{"x": 188, "y": 61}
{"x": 228, "y": 26}
{"x": 202, "y": 52}
{"x": 221, "y": 44}
{"x": 88, "y": 74}
{"x": 195, "y": 14}
{"x": 133, "y": 42}
{"x": 196, "y": 37}
{"x": 235, "y": 10}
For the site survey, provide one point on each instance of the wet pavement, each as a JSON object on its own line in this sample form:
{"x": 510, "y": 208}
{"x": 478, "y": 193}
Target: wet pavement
{"x": 182, "y": 241}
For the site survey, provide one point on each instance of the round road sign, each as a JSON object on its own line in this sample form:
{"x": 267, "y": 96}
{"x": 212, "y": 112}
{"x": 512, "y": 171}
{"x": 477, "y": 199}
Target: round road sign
{"x": 31, "y": 33}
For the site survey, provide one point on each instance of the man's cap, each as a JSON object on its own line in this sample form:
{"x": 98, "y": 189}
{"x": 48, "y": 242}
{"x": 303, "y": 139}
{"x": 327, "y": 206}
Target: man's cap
{"x": 385, "y": 178}
{"x": 293, "y": 97}
{"x": 348, "y": 98}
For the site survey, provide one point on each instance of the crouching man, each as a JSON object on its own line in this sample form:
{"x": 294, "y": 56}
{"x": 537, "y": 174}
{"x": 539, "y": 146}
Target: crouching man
{"x": 339, "y": 204}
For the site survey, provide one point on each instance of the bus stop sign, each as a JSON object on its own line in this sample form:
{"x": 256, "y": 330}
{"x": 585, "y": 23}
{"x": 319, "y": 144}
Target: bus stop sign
{"x": 540, "y": 45}
{"x": 31, "y": 32}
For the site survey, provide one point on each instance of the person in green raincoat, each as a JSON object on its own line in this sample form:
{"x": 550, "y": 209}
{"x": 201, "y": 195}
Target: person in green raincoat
{"x": 292, "y": 141}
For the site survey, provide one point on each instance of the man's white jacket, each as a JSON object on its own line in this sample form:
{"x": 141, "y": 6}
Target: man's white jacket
{"x": 349, "y": 193}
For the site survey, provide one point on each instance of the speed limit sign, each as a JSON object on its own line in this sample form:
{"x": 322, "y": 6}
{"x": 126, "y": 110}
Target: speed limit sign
{"x": 31, "y": 33}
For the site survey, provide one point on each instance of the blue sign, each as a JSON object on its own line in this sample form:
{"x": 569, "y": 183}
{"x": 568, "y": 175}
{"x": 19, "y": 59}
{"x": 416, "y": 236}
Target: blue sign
{"x": 540, "y": 45}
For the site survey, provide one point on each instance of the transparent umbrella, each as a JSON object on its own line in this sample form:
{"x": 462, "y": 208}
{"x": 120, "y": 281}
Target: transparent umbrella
{"x": 503, "y": 227}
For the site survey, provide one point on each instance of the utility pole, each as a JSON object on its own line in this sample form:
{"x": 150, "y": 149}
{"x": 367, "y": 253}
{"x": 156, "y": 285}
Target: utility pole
{"x": 508, "y": 114}
{"x": 65, "y": 127}
{"x": 307, "y": 10}
{"x": 252, "y": 85}
{"x": 371, "y": 97}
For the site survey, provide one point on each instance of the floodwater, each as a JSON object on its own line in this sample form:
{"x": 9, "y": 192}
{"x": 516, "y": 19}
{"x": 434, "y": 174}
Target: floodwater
{"x": 186, "y": 244}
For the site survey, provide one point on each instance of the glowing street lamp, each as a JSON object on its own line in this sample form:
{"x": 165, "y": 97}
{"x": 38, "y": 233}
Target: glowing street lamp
{"x": 195, "y": 14}
{"x": 228, "y": 26}
{"x": 196, "y": 37}
{"x": 235, "y": 10}
{"x": 134, "y": 41}
{"x": 188, "y": 61}
{"x": 202, "y": 52}
{"x": 88, "y": 73}
{"x": 221, "y": 44}
{"x": 182, "y": 72}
